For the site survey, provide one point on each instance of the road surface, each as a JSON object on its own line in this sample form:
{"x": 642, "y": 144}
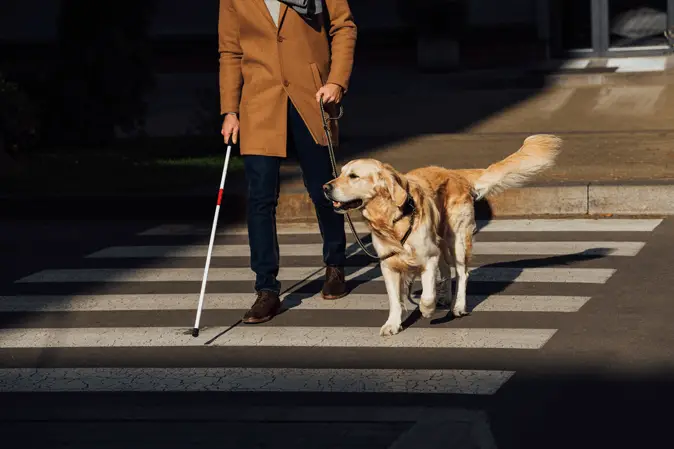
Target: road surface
{"x": 569, "y": 343}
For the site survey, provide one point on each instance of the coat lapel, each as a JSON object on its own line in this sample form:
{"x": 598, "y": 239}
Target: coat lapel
{"x": 263, "y": 9}
{"x": 282, "y": 15}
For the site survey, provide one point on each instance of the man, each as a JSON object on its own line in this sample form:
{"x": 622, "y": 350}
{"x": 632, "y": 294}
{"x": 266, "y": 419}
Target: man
{"x": 276, "y": 62}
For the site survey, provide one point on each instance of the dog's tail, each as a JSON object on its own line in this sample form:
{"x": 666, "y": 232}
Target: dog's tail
{"x": 537, "y": 153}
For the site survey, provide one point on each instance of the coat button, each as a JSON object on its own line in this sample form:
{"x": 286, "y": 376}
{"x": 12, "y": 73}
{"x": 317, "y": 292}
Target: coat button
{"x": 285, "y": 83}
{"x": 279, "y": 38}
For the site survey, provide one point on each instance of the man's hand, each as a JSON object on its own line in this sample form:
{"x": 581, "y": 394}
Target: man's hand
{"x": 230, "y": 127}
{"x": 331, "y": 93}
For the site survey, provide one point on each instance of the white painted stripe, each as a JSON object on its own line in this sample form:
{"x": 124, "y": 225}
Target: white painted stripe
{"x": 297, "y": 301}
{"x": 575, "y": 64}
{"x": 271, "y": 336}
{"x": 480, "y": 248}
{"x": 369, "y": 273}
{"x": 526, "y": 303}
{"x": 638, "y": 64}
{"x": 534, "y": 225}
{"x": 322, "y": 380}
{"x": 551, "y": 102}
{"x": 628, "y": 101}
{"x": 201, "y": 250}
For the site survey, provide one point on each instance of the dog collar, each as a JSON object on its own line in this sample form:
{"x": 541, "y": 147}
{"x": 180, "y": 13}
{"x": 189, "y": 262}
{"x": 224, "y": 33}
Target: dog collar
{"x": 407, "y": 209}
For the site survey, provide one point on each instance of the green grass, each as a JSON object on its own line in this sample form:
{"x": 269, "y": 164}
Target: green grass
{"x": 153, "y": 166}
{"x": 203, "y": 162}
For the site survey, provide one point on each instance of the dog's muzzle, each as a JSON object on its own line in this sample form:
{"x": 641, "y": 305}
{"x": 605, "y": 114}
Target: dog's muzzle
{"x": 338, "y": 206}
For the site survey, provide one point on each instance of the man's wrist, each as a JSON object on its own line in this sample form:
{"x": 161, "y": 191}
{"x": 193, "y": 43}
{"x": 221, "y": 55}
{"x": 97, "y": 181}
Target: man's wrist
{"x": 235, "y": 114}
{"x": 339, "y": 83}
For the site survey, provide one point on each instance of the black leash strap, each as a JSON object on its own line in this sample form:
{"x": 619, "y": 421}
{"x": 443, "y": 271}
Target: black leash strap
{"x": 331, "y": 151}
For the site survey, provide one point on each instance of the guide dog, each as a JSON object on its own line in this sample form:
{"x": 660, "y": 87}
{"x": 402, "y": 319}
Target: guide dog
{"x": 423, "y": 221}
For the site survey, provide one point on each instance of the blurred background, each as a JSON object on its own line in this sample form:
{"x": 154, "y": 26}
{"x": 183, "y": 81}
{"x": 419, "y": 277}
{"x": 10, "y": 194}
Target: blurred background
{"x": 110, "y": 109}
{"x": 131, "y": 87}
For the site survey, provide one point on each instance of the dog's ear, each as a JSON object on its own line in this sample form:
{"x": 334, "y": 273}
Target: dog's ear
{"x": 394, "y": 184}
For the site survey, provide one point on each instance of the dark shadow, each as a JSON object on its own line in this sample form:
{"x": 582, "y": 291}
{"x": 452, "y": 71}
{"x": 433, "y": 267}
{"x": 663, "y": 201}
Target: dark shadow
{"x": 496, "y": 69}
{"x": 517, "y": 266}
{"x": 483, "y": 213}
{"x": 534, "y": 410}
{"x": 560, "y": 397}
{"x": 299, "y": 291}
{"x": 303, "y": 290}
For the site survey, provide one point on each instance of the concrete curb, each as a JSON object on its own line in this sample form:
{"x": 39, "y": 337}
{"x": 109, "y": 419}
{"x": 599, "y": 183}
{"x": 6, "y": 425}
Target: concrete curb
{"x": 552, "y": 76}
{"x": 637, "y": 199}
{"x": 592, "y": 199}
{"x": 580, "y": 199}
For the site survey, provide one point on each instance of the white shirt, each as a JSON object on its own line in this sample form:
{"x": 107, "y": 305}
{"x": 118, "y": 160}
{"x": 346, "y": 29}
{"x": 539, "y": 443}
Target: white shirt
{"x": 274, "y": 8}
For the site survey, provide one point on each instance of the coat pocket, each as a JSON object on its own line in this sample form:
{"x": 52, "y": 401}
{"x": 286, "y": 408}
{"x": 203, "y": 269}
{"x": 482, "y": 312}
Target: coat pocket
{"x": 316, "y": 74}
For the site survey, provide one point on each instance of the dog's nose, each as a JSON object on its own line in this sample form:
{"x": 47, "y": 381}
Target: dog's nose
{"x": 327, "y": 187}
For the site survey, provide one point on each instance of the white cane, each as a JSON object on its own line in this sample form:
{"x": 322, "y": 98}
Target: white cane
{"x": 195, "y": 331}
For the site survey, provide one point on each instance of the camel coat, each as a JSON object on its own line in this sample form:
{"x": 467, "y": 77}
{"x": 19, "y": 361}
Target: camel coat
{"x": 262, "y": 66}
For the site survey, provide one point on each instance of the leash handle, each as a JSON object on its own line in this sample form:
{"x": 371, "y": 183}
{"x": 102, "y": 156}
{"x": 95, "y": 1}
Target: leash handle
{"x": 328, "y": 134}
{"x": 331, "y": 152}
{"x": 327, "y": 116}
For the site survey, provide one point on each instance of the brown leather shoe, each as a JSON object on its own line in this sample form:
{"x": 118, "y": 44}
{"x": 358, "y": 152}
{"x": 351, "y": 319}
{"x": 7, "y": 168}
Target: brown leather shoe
{"x": 334, "y": 286}
{"x": 265, "y": 307}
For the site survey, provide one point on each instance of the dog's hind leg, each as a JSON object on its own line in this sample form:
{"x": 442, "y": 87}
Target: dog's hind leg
{"x": 393, "y": 281}
{"x": 463, "y": 244}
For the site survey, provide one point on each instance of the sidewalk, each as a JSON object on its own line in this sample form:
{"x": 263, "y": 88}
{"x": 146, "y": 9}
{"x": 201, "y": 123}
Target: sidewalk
{"x": 618, "y": 156}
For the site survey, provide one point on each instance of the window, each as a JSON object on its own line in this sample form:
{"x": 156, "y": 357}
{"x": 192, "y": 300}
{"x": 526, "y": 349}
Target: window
{"x": 637, "y": 23}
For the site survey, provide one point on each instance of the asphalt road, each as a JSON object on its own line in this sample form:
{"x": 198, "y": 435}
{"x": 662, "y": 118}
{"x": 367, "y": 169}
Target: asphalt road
{"x": 569, "y": 343}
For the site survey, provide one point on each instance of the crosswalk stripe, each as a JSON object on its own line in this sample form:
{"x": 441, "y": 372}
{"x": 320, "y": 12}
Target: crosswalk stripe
{"x": 275, "y": 336}
{"x": 114, "y": 316}
{"x": 477, "y": 274}
{"x": 229, "y": 301}
{"x": 530, "y": 225}
{"x": 474, "y": 382}
{"x": 479, "y": 248}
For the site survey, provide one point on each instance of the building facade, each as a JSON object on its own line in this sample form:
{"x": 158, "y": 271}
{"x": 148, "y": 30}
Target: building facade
{"x": 547, "y": 28}
{"x": 610, "y": 28}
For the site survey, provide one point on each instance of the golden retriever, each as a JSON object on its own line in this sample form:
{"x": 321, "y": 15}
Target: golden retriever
{"x": 423, "y": 221}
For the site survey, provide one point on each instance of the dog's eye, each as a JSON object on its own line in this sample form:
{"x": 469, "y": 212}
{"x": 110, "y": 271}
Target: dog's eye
{"x": 353, "y": 176}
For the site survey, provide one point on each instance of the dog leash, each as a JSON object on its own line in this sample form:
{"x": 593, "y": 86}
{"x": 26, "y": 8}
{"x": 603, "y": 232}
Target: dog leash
{"x": 409, "y": 202}
{"x": 331, "y": 151}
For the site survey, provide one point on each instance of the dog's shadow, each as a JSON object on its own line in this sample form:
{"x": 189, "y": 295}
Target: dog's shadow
{"x": 514, "y": 270}
{"x": 367, "y": 270}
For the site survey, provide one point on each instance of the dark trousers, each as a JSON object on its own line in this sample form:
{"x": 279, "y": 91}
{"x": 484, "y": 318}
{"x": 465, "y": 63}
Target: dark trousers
{"x": 262, "y": 174}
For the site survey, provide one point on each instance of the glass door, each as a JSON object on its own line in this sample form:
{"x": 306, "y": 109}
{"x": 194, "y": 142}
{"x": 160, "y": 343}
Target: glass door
{"x": 576, "y": 25}
{"x": 637, "y": 24}
{"x": 613, "y": 28}
{"x": 571, "y": 26}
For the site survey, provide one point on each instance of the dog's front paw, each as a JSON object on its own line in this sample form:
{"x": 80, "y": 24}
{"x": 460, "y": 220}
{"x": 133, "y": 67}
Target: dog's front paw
{"x": 427, "y": 307}
{"x": 389, "y": 329}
